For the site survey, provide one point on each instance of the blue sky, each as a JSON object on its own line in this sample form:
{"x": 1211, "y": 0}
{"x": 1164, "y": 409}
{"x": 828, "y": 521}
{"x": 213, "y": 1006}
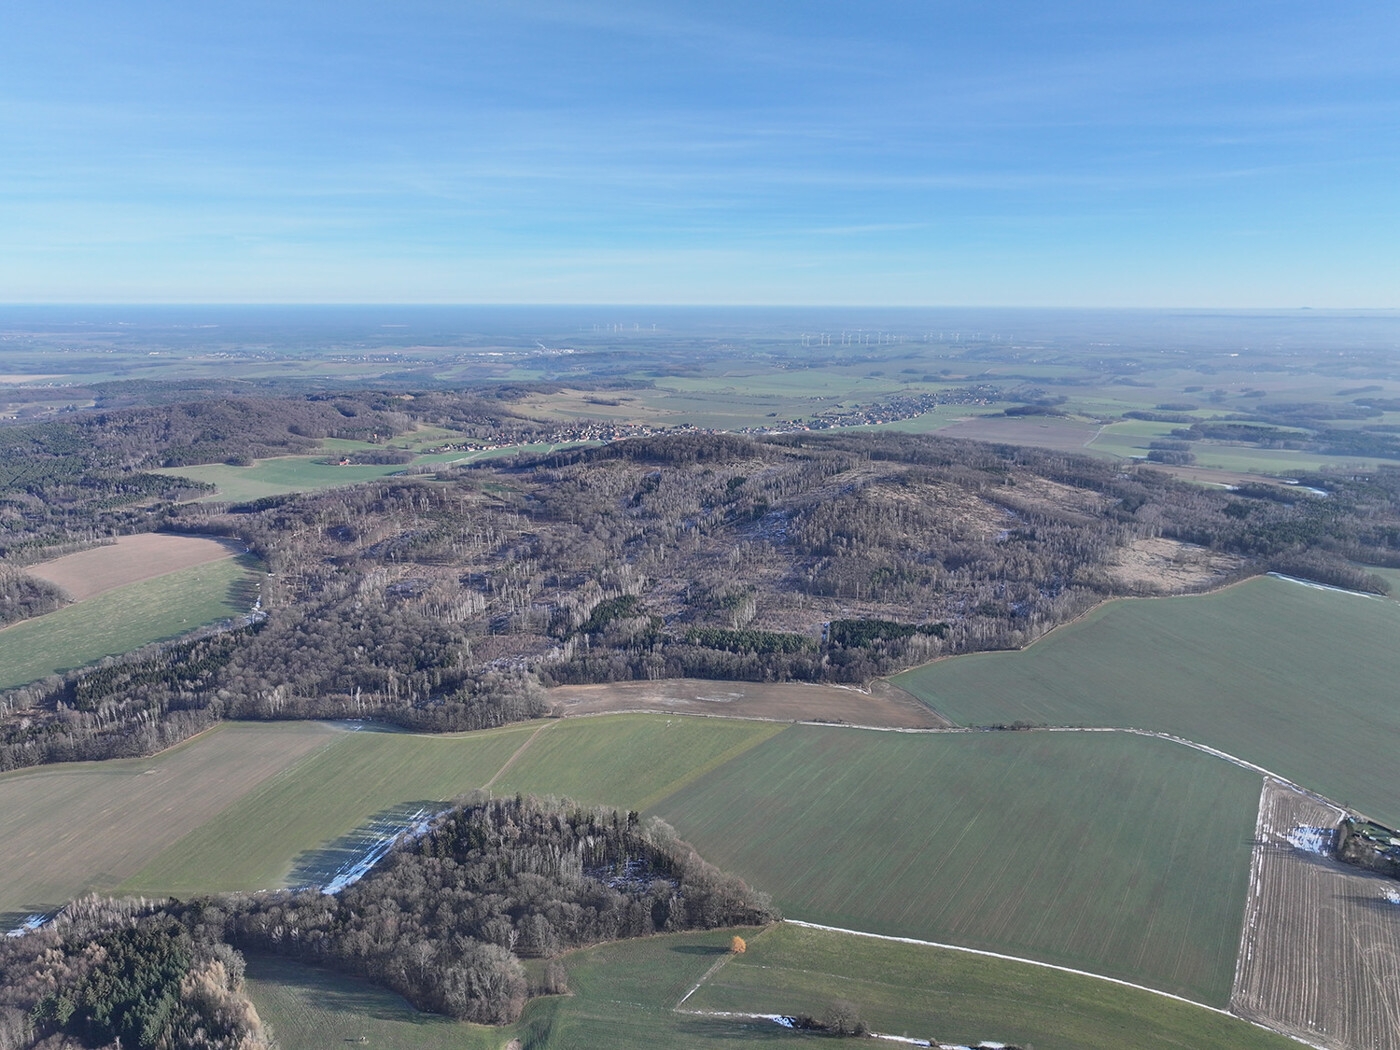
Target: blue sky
{"x": 922, "y": 153}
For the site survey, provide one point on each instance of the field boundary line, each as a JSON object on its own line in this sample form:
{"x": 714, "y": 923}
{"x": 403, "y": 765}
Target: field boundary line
{"x": 518, "y": 752}
{"x": 714, "y": 969}
{"x": 691, "y": 776}
{"x": 1046, "y": 966}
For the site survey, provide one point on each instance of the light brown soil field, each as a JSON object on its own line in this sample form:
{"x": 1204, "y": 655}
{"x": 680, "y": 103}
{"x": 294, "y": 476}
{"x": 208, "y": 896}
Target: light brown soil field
{"x": 1320, "y": 955}
{"x": 107, "y": 819}
{"x": 884, "y": 707}
{"x": 130, "y": 560}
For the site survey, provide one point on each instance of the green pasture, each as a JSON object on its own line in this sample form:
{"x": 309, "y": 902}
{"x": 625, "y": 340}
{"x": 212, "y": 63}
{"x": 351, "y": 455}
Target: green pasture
{"x": 309, "y": 1009}
{"x": 281, "y": 475}
{"x": 1299, "y": 680}
{"x": 1121, "y": 855}
{"x": 126, "y": 618}
{"x": 623, "y": 995}
{"x": 620, "y": 996}
{"x": 956, "y": 997}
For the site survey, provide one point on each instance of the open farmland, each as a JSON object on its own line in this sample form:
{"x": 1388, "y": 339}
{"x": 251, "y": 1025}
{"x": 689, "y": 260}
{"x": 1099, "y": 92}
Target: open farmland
{"x": 624, "y": 995}
{"x": 281, "y": 475}
{"x": 980, "y": 839}
{"x": 78, "y": 827}
{"x": 921, "y": 991}
{"x": 1069, "y": 435}
{"x": 882, "y": 706}
{"x": 1121, "y": 855}
{"x": 130, "y": 559}
{"x": 628, "y": 761}
{"x": 621, "y": 996}
{"x": 1297, "y": 679}
{"x": 126, "y": 618}
{"x": 302, "y": 821}
{"x": 1321, "y": 952}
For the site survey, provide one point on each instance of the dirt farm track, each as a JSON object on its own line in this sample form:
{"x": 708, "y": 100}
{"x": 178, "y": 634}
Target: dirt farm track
{"x": 130, "y": 559}
{"x": 1320, "y": 956}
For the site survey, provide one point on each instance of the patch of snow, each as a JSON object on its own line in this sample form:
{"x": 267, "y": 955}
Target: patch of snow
{"x": 31, "y": 922}
{"x": 416, "y": 827}
{"x": 1317, "y": 841}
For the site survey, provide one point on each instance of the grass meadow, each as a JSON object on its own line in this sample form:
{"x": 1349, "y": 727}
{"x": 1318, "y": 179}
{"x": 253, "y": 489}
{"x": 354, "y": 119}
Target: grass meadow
{"x": 126, "y": 618}
{"x": 957, "y": 997}
{"x": 1297, "y": 679}
{"x": 624, "y": 996}
{"x": 1123, "y": 855}
{"x": 281, "y": 475}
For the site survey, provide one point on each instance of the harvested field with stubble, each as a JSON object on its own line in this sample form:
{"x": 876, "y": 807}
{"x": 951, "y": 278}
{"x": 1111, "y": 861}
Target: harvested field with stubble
{"x": 1320, "y": 956}
{"x": 130, "y": 559}
{"x": 884, "y": 706}
{"x": 1120, "y": 855}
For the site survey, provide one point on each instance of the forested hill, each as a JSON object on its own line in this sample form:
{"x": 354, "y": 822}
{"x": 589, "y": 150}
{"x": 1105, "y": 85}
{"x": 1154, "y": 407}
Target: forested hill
{"x": 447, "y": 601}
{"x": 90, "y": 473}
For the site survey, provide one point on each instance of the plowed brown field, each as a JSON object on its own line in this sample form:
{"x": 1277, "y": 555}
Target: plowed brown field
{"x": 129, "y": 560}
{"x": 1320, "y": 955}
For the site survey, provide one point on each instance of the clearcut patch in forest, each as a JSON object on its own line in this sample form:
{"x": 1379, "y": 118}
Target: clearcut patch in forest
{"x": 1296, "y": 679}
{"x": 1121, "y": 855}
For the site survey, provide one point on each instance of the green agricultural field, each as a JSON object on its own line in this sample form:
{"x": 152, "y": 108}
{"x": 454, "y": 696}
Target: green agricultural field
{"x": 1122, "y": 855}
{"x": 923, "y": 992}
{"x": 300, "y": 821}
{"x": 279, "y": 476}
{"x": 1297, "y": 679}
{"x": 628, "y": 761}
{"x": 285, "y": 474}
{"x": 80, "y": 827}
{"x": 292, "y": 828}
{"x": 621, "y": 997}
{"x": 309, "y": 1009}
{"x": 1132, "y": 438}
{"x": 624, "y": 995}
{"x": 126, "y": 618}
